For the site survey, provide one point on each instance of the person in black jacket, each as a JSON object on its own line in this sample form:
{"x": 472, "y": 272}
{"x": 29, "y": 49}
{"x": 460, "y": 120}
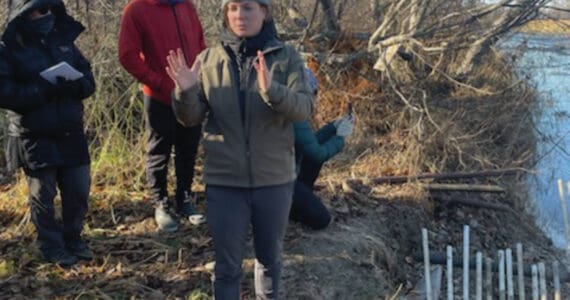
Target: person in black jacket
{"x": 46, "y": 135}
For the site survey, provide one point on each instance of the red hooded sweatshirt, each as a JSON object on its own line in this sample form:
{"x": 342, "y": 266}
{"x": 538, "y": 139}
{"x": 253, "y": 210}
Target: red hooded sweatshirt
{"x": 151, "y": 28}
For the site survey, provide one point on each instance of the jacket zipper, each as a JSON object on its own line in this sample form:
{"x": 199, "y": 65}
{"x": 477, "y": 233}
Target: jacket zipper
{"x": 247, "y": 125}
{"x": 182, "y": 46}
{"x": 244, "y": 76}
{"x": 48, "y": 49}
{"x": 247, "y": 112}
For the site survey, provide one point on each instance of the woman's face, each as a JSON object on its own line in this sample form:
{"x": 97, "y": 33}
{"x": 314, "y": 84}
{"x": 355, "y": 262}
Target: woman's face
{"x": 39, "y": 13}
{"x": 245, "y": 18}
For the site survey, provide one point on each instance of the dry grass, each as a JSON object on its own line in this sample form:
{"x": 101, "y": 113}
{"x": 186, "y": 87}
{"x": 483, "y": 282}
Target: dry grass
{"x": 561, "y": 27}
{"x": 458, "y": 130}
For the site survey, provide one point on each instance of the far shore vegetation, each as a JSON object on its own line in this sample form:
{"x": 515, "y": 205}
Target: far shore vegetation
{"x": 547, "y": 27}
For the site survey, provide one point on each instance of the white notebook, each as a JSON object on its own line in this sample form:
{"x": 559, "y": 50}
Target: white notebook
{"x": 62, "y": 69}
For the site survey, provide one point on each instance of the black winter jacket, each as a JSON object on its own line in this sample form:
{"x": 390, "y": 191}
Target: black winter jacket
{"x": 45, "y": 120}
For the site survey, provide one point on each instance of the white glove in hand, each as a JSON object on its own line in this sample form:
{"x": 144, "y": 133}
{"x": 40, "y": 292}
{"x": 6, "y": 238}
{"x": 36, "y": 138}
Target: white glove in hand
{"x": 337, "y": 121}
{"x": 345, "y": 126}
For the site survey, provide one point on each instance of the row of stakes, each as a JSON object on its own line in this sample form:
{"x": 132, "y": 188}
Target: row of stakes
{"x": 506, "y": 287}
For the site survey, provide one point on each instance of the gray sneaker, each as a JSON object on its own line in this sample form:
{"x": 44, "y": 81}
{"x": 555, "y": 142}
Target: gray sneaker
{"x": 164, "y": 219}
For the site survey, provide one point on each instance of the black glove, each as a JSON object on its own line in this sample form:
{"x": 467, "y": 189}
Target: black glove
{"x": 69, "y": 88}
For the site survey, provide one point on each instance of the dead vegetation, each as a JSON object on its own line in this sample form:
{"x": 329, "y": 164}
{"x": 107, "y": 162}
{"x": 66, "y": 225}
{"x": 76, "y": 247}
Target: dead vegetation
{"x": 431, "y": 95}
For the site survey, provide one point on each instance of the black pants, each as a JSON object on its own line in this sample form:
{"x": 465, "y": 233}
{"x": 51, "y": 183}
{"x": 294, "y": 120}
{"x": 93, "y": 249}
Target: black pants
{"x": 230, "y": 211}
{"x": 73, "y": 184}
{"x": 164, "y": 133}
{"x": 307, "y": 208}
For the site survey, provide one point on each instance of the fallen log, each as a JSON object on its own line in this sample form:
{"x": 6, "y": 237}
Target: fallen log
{"x": 444, "y": 176}
{"x": 462, "y": 187}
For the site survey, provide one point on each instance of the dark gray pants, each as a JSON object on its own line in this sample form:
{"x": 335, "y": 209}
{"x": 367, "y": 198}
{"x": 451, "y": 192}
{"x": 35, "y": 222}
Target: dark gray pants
{"x": 229, "y": 212}
{"x": 73, "y": 184}
{"x": 164, "y": 133}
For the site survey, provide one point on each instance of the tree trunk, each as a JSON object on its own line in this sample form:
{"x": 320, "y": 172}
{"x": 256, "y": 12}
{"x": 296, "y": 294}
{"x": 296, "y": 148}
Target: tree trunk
{"x": 330, "y": 16}
{"x": 376, "y": 13}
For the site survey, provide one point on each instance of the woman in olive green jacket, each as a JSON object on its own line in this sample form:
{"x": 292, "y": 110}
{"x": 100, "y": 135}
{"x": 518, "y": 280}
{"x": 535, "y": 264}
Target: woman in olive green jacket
{"x": 248, "y": 90}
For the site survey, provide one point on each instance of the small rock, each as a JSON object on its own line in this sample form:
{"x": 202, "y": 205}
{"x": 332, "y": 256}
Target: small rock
{"x": 342, "y": 209}
{"x": 441, "y": 239}
{"x": 460, "y": 214}
{"x": 473, "y": 223}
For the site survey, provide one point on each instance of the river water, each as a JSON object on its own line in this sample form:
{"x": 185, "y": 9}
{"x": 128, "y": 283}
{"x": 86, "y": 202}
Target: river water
{"x": 545, "y": 60}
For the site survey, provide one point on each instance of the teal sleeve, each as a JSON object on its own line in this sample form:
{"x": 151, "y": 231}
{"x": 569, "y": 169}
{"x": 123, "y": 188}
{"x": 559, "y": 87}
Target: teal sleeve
{"x": 310, "y": 147}
{"x": 326, "y": 133}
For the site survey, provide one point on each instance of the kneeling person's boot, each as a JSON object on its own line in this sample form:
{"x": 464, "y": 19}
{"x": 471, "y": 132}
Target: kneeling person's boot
{"x": 163, "y": 217}
{"x": 185, "y": 209}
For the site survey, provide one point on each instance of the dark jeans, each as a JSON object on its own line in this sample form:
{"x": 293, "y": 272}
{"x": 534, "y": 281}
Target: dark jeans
{"x": 164, "y": 133}
{"x": 307, "y": 208}
{"x": 229, "y": 212}
{"x": 73, "y": 184}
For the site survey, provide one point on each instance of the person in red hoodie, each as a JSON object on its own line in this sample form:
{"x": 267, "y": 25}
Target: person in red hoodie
{"x": 149, "y": 29}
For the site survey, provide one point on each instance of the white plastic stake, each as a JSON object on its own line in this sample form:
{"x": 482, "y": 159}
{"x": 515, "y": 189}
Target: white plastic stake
{"x": 534, "y": 271}
{"x": 489, "y": 278}
{"x": 466, "y": 262}
{"x": 501, "y": 275}
{"x": 542, "y": 280}
{"x": 449, "y": 273}
{"x": 556, "y": 280}
{"x": 510, "y": 284}
{"x": 427, "y": 269}
{"x": 479, "y": 275}
{"x": 564, "y": 212}
{"x": 520, "y": 271}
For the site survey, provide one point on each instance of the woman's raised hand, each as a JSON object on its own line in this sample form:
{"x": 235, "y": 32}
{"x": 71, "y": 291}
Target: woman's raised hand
{"x": 263, "y": 75}
{"x": 183, "y": 76}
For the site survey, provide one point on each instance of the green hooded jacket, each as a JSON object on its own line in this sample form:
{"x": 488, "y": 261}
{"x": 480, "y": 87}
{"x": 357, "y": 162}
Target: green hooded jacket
{"x": 258, "y": 149}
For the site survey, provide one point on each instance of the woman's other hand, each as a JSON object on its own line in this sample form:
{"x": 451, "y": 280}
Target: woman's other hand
{"x": 178, "y": 70}
{"x": 263, "y": 75}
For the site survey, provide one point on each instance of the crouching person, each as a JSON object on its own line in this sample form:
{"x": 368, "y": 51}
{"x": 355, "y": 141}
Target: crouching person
{"x": 45, "y": 135}
{"x": 312, "y": 150}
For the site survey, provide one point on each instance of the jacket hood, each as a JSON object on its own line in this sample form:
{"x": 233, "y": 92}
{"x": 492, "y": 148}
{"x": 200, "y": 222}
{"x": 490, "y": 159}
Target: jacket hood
{"x": 21, "y": 7}
{"x": 68, "y": 27}
{"x": 266, "y": 38}
{"x": 163, "y": 2}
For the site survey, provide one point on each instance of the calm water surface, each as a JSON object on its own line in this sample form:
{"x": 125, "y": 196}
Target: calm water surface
{"x": 545, "y": 60}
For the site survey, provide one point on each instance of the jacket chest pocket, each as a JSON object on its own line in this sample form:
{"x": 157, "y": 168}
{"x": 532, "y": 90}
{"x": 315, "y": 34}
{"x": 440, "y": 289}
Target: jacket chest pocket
{"x": 279, "y": 72}
{"x": 220, "y": 91}
{"x": 29, "y": 63}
